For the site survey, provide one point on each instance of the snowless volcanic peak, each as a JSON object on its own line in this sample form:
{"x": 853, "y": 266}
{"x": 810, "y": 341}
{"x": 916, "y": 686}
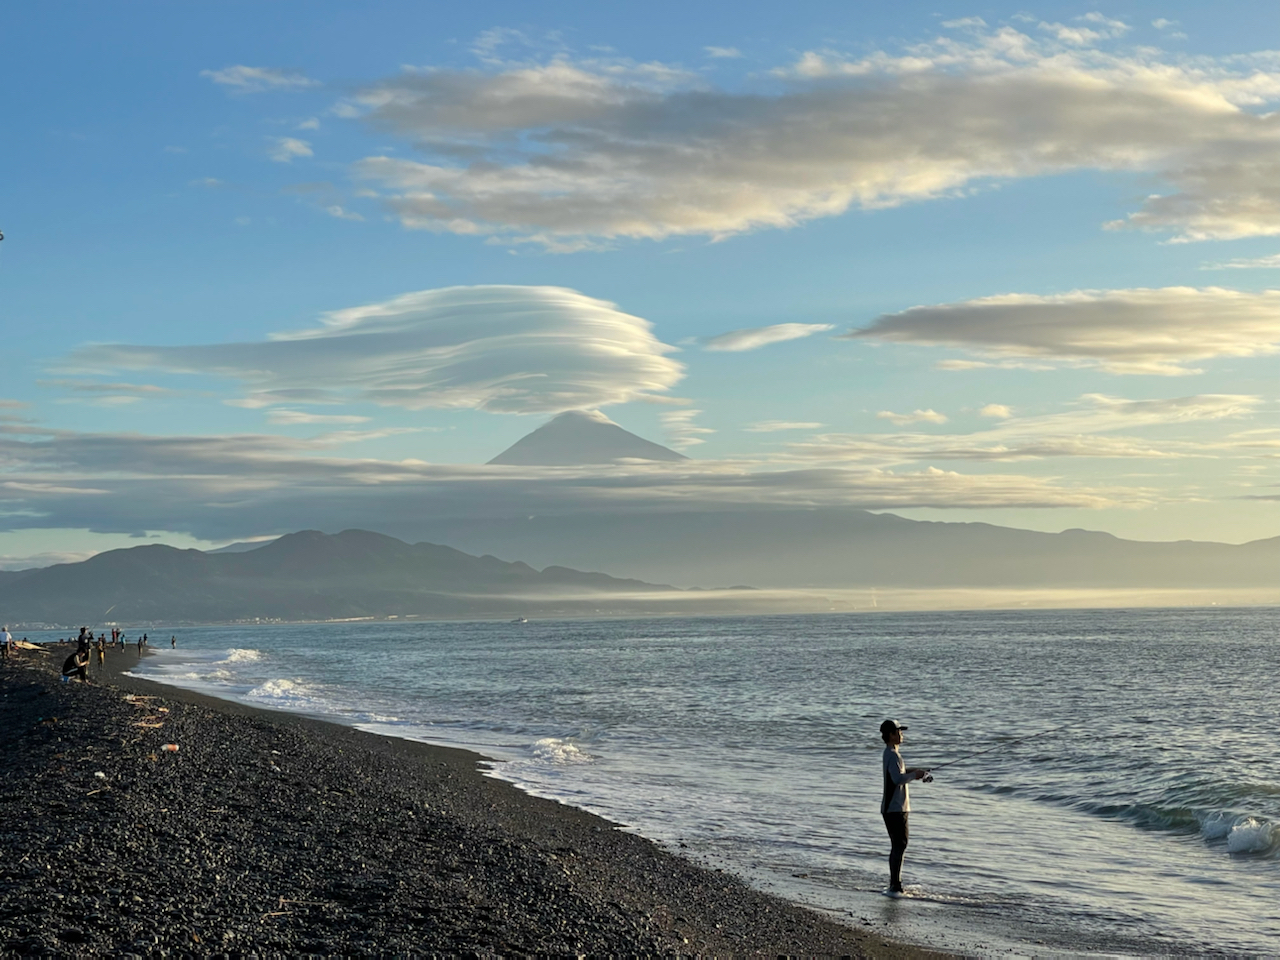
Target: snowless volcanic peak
{"x": 578, "y": 437}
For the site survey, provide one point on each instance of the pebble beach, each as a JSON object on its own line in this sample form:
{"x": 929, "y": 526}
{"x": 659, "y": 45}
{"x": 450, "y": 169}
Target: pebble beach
{"x": 267, "y": 832}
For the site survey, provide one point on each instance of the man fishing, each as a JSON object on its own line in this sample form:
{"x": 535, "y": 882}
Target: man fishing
{"x": 895, "y": 804}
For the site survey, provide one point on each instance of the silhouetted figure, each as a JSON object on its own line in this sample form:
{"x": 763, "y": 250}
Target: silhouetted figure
{"x": 76, "y": 665}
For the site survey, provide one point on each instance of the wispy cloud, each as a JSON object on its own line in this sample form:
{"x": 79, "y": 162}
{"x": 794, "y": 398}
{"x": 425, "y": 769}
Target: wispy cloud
{"x": 1138, "y": 331}
{"x": 505, "y": 349}
{"x": 243, "y": 79}
{"x": 109, "y": 394}
{"x": 291, "y": 418}
{"x": 682, "y": 432}
{"x": 1271, "y": 262}
{"x": 753, "y": 339}
{"x": 723, "y": 53}
{"x": 1090, "y": 431}
{"x": 919, "y": 416}
{"x": 775, "y": 426}
{"x": 287, "y": 149}
{"x": 337, "y": 210}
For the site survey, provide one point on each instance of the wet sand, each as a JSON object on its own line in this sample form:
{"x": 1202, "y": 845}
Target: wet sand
{"x": 269, "y": 832}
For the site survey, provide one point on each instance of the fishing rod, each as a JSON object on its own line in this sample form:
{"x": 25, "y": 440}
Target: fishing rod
{"x": 1009, "y": 743}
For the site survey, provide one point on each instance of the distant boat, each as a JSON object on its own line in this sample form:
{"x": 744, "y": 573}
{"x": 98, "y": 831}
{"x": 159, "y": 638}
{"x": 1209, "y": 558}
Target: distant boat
{"x": 520, "y": 620}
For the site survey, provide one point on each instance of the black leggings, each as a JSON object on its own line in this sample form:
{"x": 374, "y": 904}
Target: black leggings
{"x": 899, "y": 834}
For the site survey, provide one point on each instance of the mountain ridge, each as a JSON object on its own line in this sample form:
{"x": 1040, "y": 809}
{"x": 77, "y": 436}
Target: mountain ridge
{"x": 306, "y": 575}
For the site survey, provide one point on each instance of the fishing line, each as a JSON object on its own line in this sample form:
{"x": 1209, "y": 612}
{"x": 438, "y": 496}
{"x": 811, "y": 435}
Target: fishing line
{"x": 1009, "y": 743}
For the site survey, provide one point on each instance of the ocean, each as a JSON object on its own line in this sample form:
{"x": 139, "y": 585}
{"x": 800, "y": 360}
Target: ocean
{"x": 1146, "y": 820}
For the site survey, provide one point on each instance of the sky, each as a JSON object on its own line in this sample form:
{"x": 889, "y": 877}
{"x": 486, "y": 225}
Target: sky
{"x": 268, "y": 266}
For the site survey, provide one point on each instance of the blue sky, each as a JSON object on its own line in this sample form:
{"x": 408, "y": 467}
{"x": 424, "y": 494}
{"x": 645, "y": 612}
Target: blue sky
{"x": 962, "y": 262}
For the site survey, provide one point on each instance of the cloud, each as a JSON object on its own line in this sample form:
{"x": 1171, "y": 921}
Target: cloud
{"x": 285, "y": 149}
{"x": 242, "y": 79}
{"x": 723, "y": 53}
{"x": 774, "y": 426}
{"x": 1271, "y": 262}
{"x": 562, "y": 151}
{"x": 682, "y": 432}
{"x": 739, "y": 340}
{"x": 996, "y": 410}
{"x": 505, "y": 349}
{"x": 336, "y": 210}
{"x": 919, "y": 416}
{"x": 312, "y": 123}
{"x": 110, "y": 394}
{"x": 1144, "y": 331}
{"x": 300, "y": 417}
{"x": 1079, "y": 433}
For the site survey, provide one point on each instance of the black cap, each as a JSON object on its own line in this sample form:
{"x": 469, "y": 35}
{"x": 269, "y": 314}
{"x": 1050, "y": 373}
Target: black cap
{"x": 889, "y": 726}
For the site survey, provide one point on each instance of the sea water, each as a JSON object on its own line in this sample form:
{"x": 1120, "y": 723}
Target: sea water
{"x": 1150, "y": 824}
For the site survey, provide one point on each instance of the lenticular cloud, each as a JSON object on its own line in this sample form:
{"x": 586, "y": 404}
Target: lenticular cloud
{"x": 505, "y": 349}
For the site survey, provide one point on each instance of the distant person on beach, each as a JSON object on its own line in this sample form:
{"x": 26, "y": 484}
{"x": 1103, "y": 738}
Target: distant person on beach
{"x": 6, "y": 641}
{"x": 173, "y": 642}
{"x": 140, "y": 646}
{"x": 76, "y": 665}
{"x": 102, "y": 651}
{"x": 895, "y": 803}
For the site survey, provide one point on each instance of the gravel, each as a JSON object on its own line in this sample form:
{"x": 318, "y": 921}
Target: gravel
{"x": 271, "y": 833}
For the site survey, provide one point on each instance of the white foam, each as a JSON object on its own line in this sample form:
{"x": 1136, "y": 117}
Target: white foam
{"x": 1215, "y": 826}
{"x": 241, "y": 655}
{"x": 1251, "y": 836}
{"x": 559, "y": 751}
{"x": 284, "y": 694}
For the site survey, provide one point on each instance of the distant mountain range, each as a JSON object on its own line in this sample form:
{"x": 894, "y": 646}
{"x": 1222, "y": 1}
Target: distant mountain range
{"x": 835, "y": 547}
{"x": 358, "y": 574}
{"x": 305, "y": 576}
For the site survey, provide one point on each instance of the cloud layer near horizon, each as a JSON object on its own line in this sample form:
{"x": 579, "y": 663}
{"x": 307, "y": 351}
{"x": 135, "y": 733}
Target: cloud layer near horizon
{"x": 1092, "y": 430}
{"x": 567, "y": 153}
{"x": 1146, "y": 331}
{"x": 504, "y": 349}
{"x": 228, "y": 487}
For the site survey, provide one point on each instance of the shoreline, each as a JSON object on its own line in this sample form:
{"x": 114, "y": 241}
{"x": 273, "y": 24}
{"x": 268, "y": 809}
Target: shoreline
{"x": 270, "y": 831}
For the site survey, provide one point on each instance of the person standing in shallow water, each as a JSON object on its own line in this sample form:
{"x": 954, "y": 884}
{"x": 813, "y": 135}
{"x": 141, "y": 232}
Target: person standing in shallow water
{"x": 895, "y": 802}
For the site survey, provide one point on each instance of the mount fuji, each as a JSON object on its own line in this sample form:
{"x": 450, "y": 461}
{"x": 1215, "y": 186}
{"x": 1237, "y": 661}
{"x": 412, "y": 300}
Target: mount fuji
{"x": 581, "y": 437}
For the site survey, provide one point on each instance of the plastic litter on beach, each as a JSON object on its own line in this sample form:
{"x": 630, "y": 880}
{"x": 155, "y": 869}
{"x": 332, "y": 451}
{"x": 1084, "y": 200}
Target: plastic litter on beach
{"x": 170, "y": 748}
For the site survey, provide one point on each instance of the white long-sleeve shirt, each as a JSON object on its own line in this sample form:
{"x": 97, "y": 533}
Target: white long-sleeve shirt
{"x": 895, "y": 798}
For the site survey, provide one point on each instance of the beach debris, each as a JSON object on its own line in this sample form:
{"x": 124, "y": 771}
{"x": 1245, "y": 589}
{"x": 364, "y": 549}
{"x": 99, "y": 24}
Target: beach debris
{"x": 170, "y": 748}
{"x": 100, "y": 775}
